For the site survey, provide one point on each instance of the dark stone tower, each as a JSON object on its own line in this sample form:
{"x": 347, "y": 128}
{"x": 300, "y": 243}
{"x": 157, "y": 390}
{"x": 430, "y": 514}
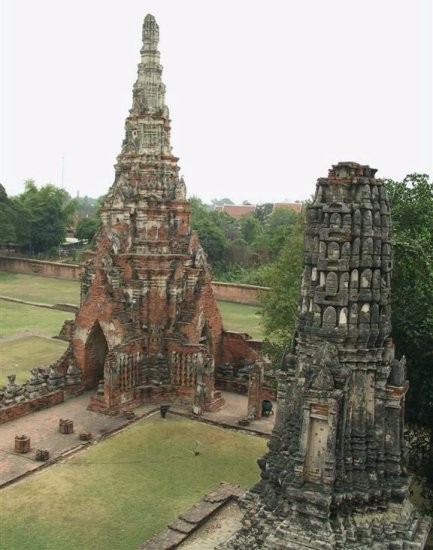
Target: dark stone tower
{"x": 335, "y": 475}
{"x": 148, "y": 327}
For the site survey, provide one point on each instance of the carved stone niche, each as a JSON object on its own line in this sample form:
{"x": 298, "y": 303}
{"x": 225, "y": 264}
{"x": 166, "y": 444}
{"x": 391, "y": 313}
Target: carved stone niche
{"x": 318, "y": 438}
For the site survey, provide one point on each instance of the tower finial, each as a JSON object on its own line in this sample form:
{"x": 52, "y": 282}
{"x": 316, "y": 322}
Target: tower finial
{"x": 150, "y": 33}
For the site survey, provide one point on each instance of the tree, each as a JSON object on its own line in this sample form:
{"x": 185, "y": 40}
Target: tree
{"x": 278, "y": 229}
{"x": 210, "y": 234}
{"x": 250, "y": 228}
{"x": 263, "y": 211}
{"x": 7, "y": 218}
{"x": 283, "y": 276}
{"x": 412, "y": 313}
{"x": 412, "y": 288}
{"x": 86, "y": 207}
{"x": 86, "y": 228}
{"x": 44, "y": 215}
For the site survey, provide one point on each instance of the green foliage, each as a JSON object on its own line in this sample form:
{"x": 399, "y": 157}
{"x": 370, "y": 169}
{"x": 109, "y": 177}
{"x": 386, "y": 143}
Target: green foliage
{"x": 210, "y": 234}
{"x": 86, "y": 228}
{"x": 283, "y": 276}
{"x": 263, "y": 211}
{"x": 412, "y": 288}
{"x": 412, "y": 313}
{"x": 279, "y": 227}
{"x": 7, "y": 218}
{"x": 250, "y": 227}
{"x": 238, "y": 249}
{"x": 86, "y": 207}
{"x": 43, "y": 216}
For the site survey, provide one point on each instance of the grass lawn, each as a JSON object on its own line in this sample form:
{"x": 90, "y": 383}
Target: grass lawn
{"x": 32, "y": 288}
{"x": 237, "y": 317}
{"x": 120, "y": 492}
{"x": 19, "y": 318}
{"x": 241, "y": 318}
{"x": 19, "y": 356}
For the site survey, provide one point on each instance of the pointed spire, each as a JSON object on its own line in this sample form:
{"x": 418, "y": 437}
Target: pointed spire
{"x": 149, "y": 88}
{"x": 150, "y": 34}
{"x": 147, "y": 130}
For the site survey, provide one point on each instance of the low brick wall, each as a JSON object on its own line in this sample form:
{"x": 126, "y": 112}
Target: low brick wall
{"x": 26, "y": 407}
{"x": 39, "y": 267}
{"x": 239, "y": 294}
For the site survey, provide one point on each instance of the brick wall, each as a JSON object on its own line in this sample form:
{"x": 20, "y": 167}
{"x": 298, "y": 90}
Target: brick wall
{"x": 240, "y": 294}
{"x": 39, "y": 267}
{"x": 16, "y": 411}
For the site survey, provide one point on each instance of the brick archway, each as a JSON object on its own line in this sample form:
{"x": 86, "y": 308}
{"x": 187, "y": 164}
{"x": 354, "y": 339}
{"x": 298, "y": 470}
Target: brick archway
{"x": 96, "y": 350}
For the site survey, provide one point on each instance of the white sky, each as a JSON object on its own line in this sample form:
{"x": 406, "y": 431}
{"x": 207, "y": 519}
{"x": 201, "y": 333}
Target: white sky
{"x": 264, "y": 96}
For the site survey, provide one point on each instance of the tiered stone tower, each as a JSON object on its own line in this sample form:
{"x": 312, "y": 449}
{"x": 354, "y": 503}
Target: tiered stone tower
{"x": 335, "y": 474}
{"x": 148, "y": 327}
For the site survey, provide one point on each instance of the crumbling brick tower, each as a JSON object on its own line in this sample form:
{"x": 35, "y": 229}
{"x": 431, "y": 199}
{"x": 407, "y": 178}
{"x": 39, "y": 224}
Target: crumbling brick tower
{"x": 148, "y": 324}
{"x": 335, "y": 474}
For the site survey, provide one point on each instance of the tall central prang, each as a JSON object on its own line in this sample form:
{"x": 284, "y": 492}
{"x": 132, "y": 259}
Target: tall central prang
{"x": 335, "y": 475}
{"x": 148, "y": 327}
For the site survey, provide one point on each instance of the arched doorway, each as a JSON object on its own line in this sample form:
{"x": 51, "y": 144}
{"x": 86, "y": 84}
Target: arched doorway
{"x": 96, "y": 351}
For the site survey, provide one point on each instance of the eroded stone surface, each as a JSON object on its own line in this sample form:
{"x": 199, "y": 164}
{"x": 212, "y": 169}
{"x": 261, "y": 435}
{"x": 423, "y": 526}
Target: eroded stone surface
{"x": 335, "y": 475}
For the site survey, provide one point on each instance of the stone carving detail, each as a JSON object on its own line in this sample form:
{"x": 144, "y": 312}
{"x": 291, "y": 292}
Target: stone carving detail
{"x": 335, "y": 475}
{"x": 55, "y": 380}
{"x": 73, "y": 375}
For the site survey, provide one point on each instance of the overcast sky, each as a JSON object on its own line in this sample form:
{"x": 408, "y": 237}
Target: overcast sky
{"x": 264, "y": 96}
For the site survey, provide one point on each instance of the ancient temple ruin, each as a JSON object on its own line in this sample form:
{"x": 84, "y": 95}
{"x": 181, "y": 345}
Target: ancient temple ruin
{"x": 148, "y": 327}
{"x": 335, "y": 475}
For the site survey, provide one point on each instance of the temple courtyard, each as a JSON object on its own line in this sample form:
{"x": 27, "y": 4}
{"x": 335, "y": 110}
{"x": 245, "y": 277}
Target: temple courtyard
{"x": 121, "y": 491}
{"x": 134, "y": 476}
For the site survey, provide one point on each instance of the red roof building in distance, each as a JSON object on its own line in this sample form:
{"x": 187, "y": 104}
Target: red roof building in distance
{"x": 236, "y": 210}
{"x": 296, "y": 206}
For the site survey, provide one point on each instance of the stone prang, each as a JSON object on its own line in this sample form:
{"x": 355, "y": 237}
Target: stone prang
{"x": 148, "y": 317}
{"x": 335, "y": 475}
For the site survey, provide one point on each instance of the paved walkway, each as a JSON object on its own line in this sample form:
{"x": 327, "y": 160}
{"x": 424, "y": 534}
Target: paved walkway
{"x": 43, "y": 429}
{"x": 235, "y": 408}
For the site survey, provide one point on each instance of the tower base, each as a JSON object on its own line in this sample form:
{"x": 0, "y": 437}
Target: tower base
{"x": 400, "y": 527}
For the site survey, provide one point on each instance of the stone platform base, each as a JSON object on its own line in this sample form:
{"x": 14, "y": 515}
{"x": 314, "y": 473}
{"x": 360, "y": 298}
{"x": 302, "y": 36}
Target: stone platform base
{"x": 401, "y": 527}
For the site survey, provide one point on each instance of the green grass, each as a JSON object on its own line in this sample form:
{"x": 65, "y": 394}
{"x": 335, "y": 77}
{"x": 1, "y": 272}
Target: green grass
{"x": 32, "y": 288}
{"x": 19, "y": 317}
{"x": 19, "y": 356}
{"x": 120, "y": 492}
{"x": 241, "y": 318}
